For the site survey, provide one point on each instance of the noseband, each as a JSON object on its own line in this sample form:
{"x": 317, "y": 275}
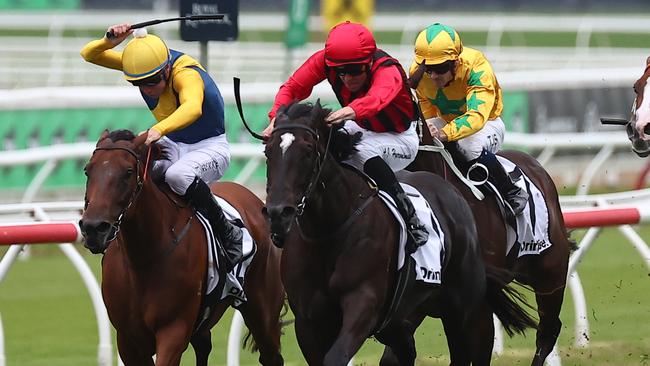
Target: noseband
{"x": 318, "y": 164}
{"x": 115, "y": 227}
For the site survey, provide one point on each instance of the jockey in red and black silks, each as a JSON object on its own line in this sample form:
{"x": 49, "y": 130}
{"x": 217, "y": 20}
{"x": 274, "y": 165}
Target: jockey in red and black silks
{"x": 396, "y": 116}
{"x": 373, "y": 91}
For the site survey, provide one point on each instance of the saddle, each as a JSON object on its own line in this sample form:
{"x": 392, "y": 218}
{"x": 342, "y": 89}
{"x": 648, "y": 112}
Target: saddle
{"x": 529, "y": 231}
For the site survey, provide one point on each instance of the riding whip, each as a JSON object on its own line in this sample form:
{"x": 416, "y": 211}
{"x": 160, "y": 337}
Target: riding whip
{"x": 158, "y": 21}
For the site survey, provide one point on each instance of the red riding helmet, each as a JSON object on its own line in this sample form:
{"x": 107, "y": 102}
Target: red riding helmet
{"x": 349, "y": 43}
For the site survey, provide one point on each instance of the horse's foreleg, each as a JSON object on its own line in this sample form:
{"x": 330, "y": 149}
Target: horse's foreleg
{"x": 263, "y": 322}
{"x": 202, "y": 344}
{"x": 313, "y": 339}
{"x": 171, "y": 342}
{"x": 399, "y": 341}
{"x": 359, "y": 311}
{"x": 131, "y": 354}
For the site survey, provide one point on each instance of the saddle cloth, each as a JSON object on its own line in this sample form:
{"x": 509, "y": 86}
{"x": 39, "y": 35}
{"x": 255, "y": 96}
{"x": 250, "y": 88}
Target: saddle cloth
{"x": 531, "y": 231}
{"x": 233, "y": 283}
{"x": 428, "y": 257}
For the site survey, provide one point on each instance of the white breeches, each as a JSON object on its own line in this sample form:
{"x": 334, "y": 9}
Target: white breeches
{"x": 398, "y": 150}
{"x": 206, "y": 159}
{"x": 490, "y": 138}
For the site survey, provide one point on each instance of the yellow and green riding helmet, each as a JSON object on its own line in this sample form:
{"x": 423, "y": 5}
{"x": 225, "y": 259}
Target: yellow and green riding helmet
{"x": 436, "y": 44}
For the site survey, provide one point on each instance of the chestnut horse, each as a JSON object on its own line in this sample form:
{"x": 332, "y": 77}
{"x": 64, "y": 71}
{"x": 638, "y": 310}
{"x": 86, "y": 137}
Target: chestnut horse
{"x": 339, "y": 262}
{"x": 155, "y": 260}
{"x": 641, "y": 116}
{"x": 546, "y": 273}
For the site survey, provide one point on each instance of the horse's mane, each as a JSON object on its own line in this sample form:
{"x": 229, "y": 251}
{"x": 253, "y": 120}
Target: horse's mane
{"x": 118, "y": 135}
{"x": 127, "y": 135}
{"x": 342, "y": 145}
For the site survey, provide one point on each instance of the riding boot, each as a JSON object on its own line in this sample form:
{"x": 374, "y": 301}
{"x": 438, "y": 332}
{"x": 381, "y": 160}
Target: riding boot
{"x": 383, "y": 175}
{"x": 230, "y": 236}
{"x": 514, "y": 196}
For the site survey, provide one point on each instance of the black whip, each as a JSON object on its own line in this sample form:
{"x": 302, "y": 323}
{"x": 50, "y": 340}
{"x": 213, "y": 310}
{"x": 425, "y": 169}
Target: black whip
{"x": 158, "y": 21}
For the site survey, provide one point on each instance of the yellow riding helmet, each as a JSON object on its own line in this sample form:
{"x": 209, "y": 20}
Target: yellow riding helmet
{"x": 436, "y": 44}
{"x": 143, "y": 57}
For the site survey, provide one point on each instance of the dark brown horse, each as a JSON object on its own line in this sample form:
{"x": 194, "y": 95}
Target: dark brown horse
{"x": 154, "y": 270}
{"x": 546, "y": 273}
{"x": 339, "y": 262}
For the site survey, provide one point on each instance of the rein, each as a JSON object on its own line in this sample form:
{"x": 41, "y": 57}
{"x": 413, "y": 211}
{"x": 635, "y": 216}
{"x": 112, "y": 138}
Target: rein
{"x": 438, "y": 147}
{"x": 343, "y": 226}
{"x": 318, "y": 168}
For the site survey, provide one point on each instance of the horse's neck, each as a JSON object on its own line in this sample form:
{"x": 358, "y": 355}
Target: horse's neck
{"x": 332, "y": 201}
{"x": 147, "y": 224}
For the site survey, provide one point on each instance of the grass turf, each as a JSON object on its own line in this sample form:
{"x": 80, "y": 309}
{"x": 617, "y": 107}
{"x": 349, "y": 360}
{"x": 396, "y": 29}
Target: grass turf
{"x": 48, "y": 317}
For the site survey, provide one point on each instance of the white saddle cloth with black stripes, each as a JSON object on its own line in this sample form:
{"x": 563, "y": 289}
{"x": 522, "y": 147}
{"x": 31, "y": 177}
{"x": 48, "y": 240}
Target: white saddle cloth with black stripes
{"x": 531, "y": 232}
{"x": 233, "y": 283}
{"x": 428, "y": 257}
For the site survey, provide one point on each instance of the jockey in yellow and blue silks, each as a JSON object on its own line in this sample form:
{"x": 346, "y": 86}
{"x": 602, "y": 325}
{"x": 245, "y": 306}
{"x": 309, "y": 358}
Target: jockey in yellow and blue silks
{"x": 190, "y": 129}
{"x": 461, "y": 100}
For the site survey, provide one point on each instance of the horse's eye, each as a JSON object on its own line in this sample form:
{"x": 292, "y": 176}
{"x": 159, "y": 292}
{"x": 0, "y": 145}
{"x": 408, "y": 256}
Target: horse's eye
{"x": 86, "y": 171}
{"x": 129, "y": 172}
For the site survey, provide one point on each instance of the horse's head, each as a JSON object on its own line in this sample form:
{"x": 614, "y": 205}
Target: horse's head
{"x": 640, "y": 114}
{"x": 114, "y": 178}
{"x": 294, "y": 158}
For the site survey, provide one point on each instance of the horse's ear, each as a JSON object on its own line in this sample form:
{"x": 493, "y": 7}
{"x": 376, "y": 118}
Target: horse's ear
{"x": 140, "y": 139}
{"x": 647, "y": 61}
{"x": 316, "y": 111}
{"x": 414, "y": 80}
{"x": 102, "y": 137}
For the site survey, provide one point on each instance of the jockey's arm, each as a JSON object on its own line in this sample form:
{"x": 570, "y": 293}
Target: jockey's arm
{"x": 300, "y": 85}
{"x": 189, "y": 86}
{"x": 100, "y": 52}
{"x": 386, "y": 84}
{"x": 479, "y": 102}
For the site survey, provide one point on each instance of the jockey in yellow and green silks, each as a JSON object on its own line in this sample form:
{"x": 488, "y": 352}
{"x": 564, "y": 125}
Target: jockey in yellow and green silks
{"x": 461, "y": 101}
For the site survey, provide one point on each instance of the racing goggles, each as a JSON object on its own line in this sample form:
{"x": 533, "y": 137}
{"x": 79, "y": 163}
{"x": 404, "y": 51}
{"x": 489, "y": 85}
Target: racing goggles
{"x": 351, "y": 69}
{"x": 439, "y": 69}
{"x": 152, "y": 80}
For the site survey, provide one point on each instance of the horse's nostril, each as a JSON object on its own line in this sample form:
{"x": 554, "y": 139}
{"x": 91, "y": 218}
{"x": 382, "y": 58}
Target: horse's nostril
{"x": 279, "y": 212}
{"x": 288, "y": 211}
{"x": 103, "y": 227}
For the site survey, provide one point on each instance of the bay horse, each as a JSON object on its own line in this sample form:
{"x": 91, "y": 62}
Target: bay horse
{"x": 155, "y": 260}
{"x": 545, "y": 273}
{"x": 340, "y": 253}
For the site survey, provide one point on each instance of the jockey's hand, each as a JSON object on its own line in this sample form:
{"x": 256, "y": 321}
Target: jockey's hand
{"x": 152, "y": 136}
{"x": 340, "y": 116}
{"x": 442, "y": 136}
{"x": 267, "y": 131}
{"x": 640, "y": 126}
{"x": 121, "y": 31}
{"x": 435, "y": 132}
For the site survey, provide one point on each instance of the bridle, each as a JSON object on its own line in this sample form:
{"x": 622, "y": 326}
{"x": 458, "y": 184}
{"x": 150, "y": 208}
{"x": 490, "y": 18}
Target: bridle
{"x": 318, "y": 164}
{"x": 115, "y": 227}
